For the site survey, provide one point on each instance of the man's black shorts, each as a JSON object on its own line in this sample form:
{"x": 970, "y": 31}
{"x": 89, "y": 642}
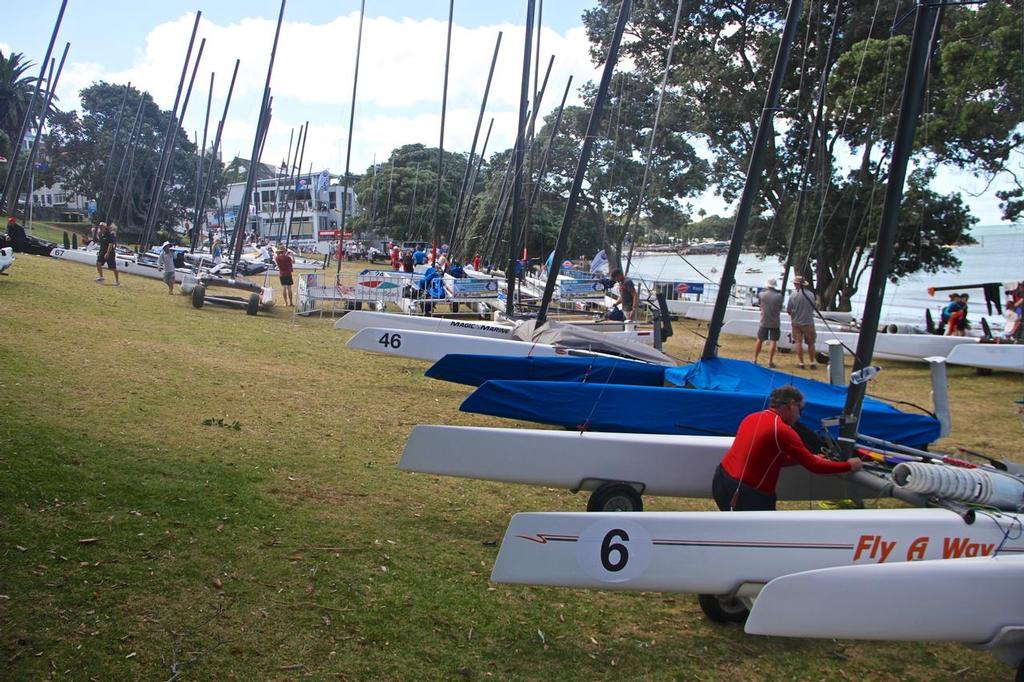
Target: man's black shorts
{"x": 286, "y": 280}
{"x": 110, "y": 262}
{"x": 731, "y": 495}
{"x": 768, "y": 334}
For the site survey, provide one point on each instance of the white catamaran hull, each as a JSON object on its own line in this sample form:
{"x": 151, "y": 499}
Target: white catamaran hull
{"x": 957, "y": 600}
{"x": 432, "y": 346}
{"x": 6, "y": 258}
{"x": 906, "y": 347}
{"x": 732, "y": 553}
{"x": 677, "y": 466}
{"x": 998, "y": 356}
{"x": 704, "y": 311}
{"x": 361, "y": 319}
{"x": 125, "y": 264}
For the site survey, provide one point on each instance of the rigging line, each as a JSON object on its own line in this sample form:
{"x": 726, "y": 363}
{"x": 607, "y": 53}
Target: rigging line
{"x": 654, "y": 127}
{"x": 825, "y": 183}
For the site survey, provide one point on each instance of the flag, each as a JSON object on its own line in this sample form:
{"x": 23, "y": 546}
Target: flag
{"x": 301, "y": 184}
{"x": 323, "y": 181}
{"x": 600, "y": 263}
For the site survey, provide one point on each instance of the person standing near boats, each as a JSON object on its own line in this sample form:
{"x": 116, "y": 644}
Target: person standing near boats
{"x": 167, "y": 266}
{"x": 770, "y": 301}
{"x": 765, "y": 442}
{"x": 801, "y": 311}
{"x": 285, "y": 266}
{"x": 107, "y": 254}
{"x": 627, "y": 294}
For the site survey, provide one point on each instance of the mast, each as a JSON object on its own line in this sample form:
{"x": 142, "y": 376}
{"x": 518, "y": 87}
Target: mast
{"x": 5, "y": 200}
{"x": 753, "y": 182}
{"x": 440, "y": 146}
{"x": 213, "y": 151}
{"x": 250, "y": 177}
{"x": 113, "y": 147}
{"x": 202, "y": 151}
{"x": 172, "y": 124}
{"x": 517, "y": 164}
{"x": 295, "y": 184}
{"x": 293, "y": 177}
{"x": 348, "y": 146}
{"x": 472, "y": 147}
{"x": 794, "y": 234}
{"x": 584, "y": 160}
{"x": 128, "y": 146}
{"x": 51, "y": 87}
{"x": 927, "y": 20}
{"x": 461, "y": 229}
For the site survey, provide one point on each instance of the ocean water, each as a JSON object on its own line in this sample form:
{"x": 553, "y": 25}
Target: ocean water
{"x": 997, "y": 257}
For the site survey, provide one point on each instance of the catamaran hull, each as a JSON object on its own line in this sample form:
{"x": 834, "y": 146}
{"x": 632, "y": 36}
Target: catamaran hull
{"x": 957, "y": 600}
{"x": 677, "y": 466}
{"x": 732, "y": 553}
{"x": 360, "y": 319}
{"x": 905, "y": 347}
{"x": 432, "y": 346}
{"x": 1004, "y": 357}
{"x": 6, "y": 258}
{"x": 125, "y": 265}
{"x": 703, "y": 311}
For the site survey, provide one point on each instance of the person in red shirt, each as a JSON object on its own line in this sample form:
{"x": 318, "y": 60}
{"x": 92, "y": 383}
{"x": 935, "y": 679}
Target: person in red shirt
{"x": 285, "y": 265}
{"x": 765, "y": 442}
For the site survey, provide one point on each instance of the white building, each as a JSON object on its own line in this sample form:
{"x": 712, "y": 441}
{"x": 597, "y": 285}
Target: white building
{"x": 311, "y": 209}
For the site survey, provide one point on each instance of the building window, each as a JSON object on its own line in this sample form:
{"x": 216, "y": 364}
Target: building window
{"x": 332, "y": 197}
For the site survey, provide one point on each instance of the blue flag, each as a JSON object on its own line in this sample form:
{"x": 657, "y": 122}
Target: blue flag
{"x": 323, "y": 181}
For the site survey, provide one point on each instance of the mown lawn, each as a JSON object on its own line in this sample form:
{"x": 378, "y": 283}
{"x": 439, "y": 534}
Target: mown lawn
{"x": 198, "y": 494}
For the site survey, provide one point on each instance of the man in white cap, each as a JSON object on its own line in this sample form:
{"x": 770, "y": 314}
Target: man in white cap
{"x": 167, "y": 265}
{"x": 771, "y": 308}
{"x": 801, "y": 311}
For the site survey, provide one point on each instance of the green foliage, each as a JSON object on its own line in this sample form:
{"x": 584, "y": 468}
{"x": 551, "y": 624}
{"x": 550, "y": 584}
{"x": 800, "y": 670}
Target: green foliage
{"x": 398, "y": 196}
{"x": 721, "y": 69}
{"x": 79, "y": 150}
{"x": 16, "y": 87}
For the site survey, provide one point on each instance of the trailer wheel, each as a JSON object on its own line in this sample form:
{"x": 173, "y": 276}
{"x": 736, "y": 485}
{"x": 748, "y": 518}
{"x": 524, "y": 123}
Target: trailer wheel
{"x": 615, "y": 497}
{"x": 198, "y": 296}
{"x": 253, "y": 306}
{"x": 722, "y": 608}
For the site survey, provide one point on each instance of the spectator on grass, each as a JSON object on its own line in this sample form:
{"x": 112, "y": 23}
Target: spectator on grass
{"x": 107, "y": 254}
{"x": 167, "y": 266}
{"x": 285, "y": 265}
{"x": 770, "y": 326}
{"x": 801, "y": 311}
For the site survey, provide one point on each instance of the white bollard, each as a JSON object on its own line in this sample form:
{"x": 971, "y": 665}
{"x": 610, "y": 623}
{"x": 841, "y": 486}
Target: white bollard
{"x": 940, "y": 394}
{"x": 836, "y": 370}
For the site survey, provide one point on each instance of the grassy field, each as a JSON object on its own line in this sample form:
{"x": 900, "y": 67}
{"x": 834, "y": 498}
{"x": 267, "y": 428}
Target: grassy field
{"x": 198, "y": 494}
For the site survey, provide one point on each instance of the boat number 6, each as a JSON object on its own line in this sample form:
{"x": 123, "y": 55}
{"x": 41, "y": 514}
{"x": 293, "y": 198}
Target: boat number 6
{"x": 391, "y": 341}
{"x": 608, "y": 547}
{"x": 615, "y": 553}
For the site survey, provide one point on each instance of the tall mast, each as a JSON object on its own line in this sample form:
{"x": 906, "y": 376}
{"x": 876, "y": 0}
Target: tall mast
{"x": 250, "y": 177}
{"x": 753, "y": 182}
{"x": 51, "y": 87}
{"x": 472, "y": 147}
{"x": 113, "y": 150}
{"x": 5, "y": 200}
{"x": 213, "y": 152}
{"x": 927, "y": 21}
{"x": 517, "y": 163}
{"x": 348, "y": 146}
{"x": 584, "y": 160}
{"x": 440, "y": 146}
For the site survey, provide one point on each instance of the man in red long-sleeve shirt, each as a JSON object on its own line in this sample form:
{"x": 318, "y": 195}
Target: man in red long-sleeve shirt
{"x": 765, "y": 442}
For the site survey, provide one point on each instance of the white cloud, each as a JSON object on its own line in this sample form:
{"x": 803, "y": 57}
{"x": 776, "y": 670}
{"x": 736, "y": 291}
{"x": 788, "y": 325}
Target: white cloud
{"x": 398, "y": 100}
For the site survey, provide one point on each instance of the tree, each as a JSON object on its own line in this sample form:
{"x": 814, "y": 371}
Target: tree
{"x": 399, "y": 202}
{"x": 79, "y": 148}
{"x": 724, "y": 57}
{"x": 16, "y": 89}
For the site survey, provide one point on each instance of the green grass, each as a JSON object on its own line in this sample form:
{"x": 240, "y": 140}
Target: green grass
{"x": 137, "y": 541}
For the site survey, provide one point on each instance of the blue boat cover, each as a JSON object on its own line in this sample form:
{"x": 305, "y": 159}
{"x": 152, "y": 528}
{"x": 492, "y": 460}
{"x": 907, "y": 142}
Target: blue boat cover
{"x": 690, "y": 411}
{"x": 476, "y": 369}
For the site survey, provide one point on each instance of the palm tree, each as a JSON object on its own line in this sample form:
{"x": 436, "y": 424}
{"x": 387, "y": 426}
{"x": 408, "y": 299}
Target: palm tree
{"x": 15, "y": 92}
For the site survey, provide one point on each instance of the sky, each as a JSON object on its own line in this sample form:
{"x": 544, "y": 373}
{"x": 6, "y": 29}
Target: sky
{"x": 398, "y": 98}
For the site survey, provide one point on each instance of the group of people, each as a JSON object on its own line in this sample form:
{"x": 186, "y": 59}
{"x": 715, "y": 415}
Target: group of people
{"x": 801, "y": 309}
{"x": 954, "y": 315}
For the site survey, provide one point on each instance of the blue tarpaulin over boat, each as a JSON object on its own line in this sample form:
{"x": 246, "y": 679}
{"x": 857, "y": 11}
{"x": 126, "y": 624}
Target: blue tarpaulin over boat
{"x": 476, "y": 369}
{"x": 738, "y": 392}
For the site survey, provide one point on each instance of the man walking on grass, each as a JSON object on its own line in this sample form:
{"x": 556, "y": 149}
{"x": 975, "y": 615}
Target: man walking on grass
{"x": 107, "y": 254}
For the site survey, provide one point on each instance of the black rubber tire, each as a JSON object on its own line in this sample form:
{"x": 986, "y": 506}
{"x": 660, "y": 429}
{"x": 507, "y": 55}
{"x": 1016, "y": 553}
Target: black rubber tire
{"x": 253, "y": 305}
{"x": 720, "y": 609}
{"x": 198, "y": 296}
{"x": 615, "y": 497}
